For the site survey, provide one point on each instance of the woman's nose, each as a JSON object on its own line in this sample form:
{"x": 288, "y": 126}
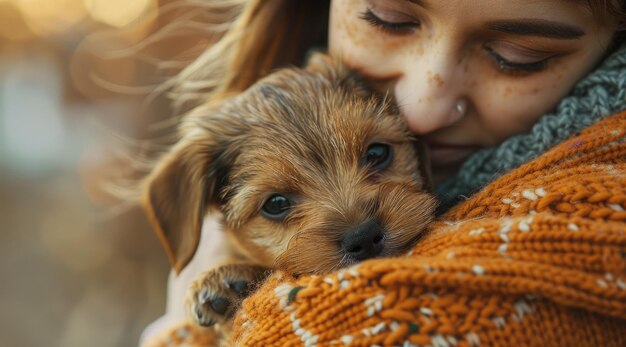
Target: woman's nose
{"x": 429, "y": 91}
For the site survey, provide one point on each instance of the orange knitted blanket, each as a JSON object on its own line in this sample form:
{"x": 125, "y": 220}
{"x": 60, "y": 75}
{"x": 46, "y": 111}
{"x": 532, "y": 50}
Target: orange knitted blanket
{"x": 537, "y": 258}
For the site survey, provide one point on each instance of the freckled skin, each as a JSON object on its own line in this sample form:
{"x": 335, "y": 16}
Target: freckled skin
{"x": 438, "y": 80}
{"x": 430, "y": 68}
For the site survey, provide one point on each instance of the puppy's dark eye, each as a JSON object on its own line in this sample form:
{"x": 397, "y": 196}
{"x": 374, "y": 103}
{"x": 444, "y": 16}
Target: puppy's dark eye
{"x": 378, "y": 156}
{"x": 276, "y": 207}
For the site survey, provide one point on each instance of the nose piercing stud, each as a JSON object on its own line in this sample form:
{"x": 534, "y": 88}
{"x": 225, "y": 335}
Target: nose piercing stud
{"x": 458, "y": 110}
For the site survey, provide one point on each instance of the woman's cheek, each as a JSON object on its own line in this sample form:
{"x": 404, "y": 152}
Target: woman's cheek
{"x": 508, "y": 105}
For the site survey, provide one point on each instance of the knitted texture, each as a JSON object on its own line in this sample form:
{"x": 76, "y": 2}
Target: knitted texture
{"x": 600, "y": 94}
{"x": 186, "y": 334}
{"x": 537, "y": 258}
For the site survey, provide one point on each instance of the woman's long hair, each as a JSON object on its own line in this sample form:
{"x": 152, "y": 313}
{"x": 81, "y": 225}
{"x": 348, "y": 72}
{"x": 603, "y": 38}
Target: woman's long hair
{"x": 267, "y": 34}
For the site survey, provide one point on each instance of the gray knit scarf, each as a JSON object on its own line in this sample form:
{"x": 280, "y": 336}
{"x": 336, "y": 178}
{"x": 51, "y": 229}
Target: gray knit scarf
{"x": 600, "y": 94}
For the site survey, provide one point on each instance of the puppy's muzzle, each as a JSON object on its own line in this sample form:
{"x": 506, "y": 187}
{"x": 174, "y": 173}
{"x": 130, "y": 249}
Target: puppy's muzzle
{"x": 365, "y": 241}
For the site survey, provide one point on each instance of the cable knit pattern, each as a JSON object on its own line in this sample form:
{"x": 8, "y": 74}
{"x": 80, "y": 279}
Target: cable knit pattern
{"x": 600, "y": 94}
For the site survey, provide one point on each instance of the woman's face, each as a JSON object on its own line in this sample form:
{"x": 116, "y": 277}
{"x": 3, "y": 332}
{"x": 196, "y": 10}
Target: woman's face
{"x": 468, "y": 74}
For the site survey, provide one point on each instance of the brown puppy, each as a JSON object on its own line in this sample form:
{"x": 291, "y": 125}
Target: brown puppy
{"x": 311, "y": 170}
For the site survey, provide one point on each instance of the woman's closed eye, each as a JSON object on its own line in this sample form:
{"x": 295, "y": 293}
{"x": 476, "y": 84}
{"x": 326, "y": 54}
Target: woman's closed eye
{"x": 391, "y": 21}
{"x": 508, "y": 58}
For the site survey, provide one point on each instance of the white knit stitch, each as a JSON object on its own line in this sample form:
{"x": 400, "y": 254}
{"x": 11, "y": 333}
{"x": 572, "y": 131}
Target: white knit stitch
{"x": 347, "y": 339}
{"x": 374, "y": 304}
{"x": 478, "y": 270}
{"x": 354, "y": 271}
{"x": 499, "y": 322}
{"x": 529, "y": 194}
{"x": 473, "y": 339}
{"x": 505, "y": 225}
{"x": 476, "y": 231}
{"x": 282, "y": 292}
{"x": 378, "y": 328}
{"x": 312, "y": 341}
{"x": 426, "y": 311}
{"x": 572, "y": 227}
{"x": 523, "y": 226}
{"x": 523, "y": 308}
{"x": 502, "y": 248}
{"x": 394, "y": 326}
{"x": 439, "y": 341}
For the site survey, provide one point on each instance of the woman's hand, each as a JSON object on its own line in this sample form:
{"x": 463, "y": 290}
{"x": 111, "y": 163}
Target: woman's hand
{"x": 211, "y": 250}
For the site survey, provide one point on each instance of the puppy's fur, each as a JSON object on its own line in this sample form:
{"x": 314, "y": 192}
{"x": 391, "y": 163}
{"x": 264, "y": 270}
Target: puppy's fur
{"x": 307, "y": 135}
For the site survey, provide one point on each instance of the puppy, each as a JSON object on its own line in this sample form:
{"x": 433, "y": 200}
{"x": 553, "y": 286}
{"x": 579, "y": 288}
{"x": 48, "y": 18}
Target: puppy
{"x": 311, "y": 170}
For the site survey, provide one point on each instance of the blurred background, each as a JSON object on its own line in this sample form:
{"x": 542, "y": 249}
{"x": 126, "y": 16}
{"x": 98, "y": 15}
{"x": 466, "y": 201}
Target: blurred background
{"x": 79, "y": 267}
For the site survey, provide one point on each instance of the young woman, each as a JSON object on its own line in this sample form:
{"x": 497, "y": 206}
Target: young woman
{"x": 489, "y": 84}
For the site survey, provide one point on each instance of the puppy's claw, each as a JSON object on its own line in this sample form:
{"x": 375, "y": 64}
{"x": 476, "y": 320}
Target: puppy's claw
{"x": 203, "y": 295}
{"x": 220, "y": 305}
{"x": 201, "y": 319}
{"x": 215, "y": 296}
{"x": 241, "y": 287}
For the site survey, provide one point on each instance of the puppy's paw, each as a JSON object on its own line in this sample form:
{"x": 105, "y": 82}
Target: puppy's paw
{"x": 216, "y": 295}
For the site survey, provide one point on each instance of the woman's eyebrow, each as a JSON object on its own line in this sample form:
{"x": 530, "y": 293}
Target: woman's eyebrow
{"x": 537, "y": 27}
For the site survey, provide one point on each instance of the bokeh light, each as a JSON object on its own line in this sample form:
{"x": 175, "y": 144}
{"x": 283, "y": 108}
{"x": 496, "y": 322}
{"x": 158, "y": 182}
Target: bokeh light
{"x": 120, "y": 13}
{"x": 13, "y": 26}
{"x": 45, "y": 17}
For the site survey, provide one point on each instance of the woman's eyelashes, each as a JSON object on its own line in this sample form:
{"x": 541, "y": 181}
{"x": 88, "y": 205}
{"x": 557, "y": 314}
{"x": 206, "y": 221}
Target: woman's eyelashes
{"x": 507, "y": 65}
{"x": 391, "y": 22}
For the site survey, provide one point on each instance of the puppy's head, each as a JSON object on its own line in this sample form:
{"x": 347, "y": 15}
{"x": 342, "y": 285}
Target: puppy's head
{"x": 311, "y": 170}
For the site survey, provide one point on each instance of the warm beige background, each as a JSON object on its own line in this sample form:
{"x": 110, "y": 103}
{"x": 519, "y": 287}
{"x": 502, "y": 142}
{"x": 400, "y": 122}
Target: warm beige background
{"x": 76, "y": 268}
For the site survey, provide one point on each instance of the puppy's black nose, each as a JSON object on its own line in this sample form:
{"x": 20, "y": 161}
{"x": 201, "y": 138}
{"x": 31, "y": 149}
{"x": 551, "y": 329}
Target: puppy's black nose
{"x": 364, "y": 241}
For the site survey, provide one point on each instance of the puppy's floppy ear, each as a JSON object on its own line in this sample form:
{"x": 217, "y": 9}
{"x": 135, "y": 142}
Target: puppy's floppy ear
{"x": 176, "y": 195}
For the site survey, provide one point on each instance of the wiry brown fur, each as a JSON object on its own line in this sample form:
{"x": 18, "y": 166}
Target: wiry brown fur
{"x": 301, "y": 133}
